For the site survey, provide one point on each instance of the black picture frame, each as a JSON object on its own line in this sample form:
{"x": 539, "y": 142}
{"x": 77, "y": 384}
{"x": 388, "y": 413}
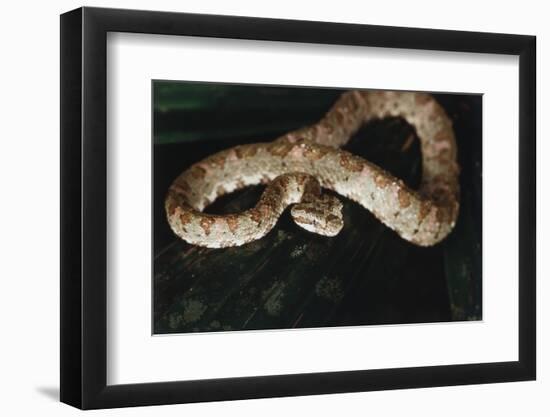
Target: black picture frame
{"x": 83, "y": 207}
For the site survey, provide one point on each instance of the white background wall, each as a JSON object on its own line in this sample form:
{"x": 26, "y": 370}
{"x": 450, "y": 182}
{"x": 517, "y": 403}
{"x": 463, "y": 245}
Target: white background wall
{"x": 29, "y": 226}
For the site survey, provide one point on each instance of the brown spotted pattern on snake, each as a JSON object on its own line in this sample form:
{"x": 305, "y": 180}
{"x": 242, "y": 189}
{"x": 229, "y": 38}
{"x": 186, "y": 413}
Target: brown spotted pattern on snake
{"x": 297, "y": 166}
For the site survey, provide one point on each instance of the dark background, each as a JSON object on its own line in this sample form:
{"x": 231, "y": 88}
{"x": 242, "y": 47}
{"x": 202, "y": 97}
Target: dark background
{"x": 292, "y": 278}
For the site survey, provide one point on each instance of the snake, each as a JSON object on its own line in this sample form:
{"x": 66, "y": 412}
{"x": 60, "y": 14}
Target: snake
{"x": 298, "y": 167}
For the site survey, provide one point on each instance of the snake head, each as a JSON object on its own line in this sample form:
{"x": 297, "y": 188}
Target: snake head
{"x": 322, "y": 215}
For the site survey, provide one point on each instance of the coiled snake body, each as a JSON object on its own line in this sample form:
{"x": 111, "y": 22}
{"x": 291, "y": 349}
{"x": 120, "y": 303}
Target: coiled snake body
{"x": 298, "y": 165}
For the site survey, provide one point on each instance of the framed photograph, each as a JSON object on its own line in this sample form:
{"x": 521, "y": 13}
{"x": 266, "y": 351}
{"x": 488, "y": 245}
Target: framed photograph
{"x": 257, "y": 208}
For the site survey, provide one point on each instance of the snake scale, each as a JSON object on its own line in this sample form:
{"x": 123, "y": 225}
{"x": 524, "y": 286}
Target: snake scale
{"x": 298, "y": 165}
